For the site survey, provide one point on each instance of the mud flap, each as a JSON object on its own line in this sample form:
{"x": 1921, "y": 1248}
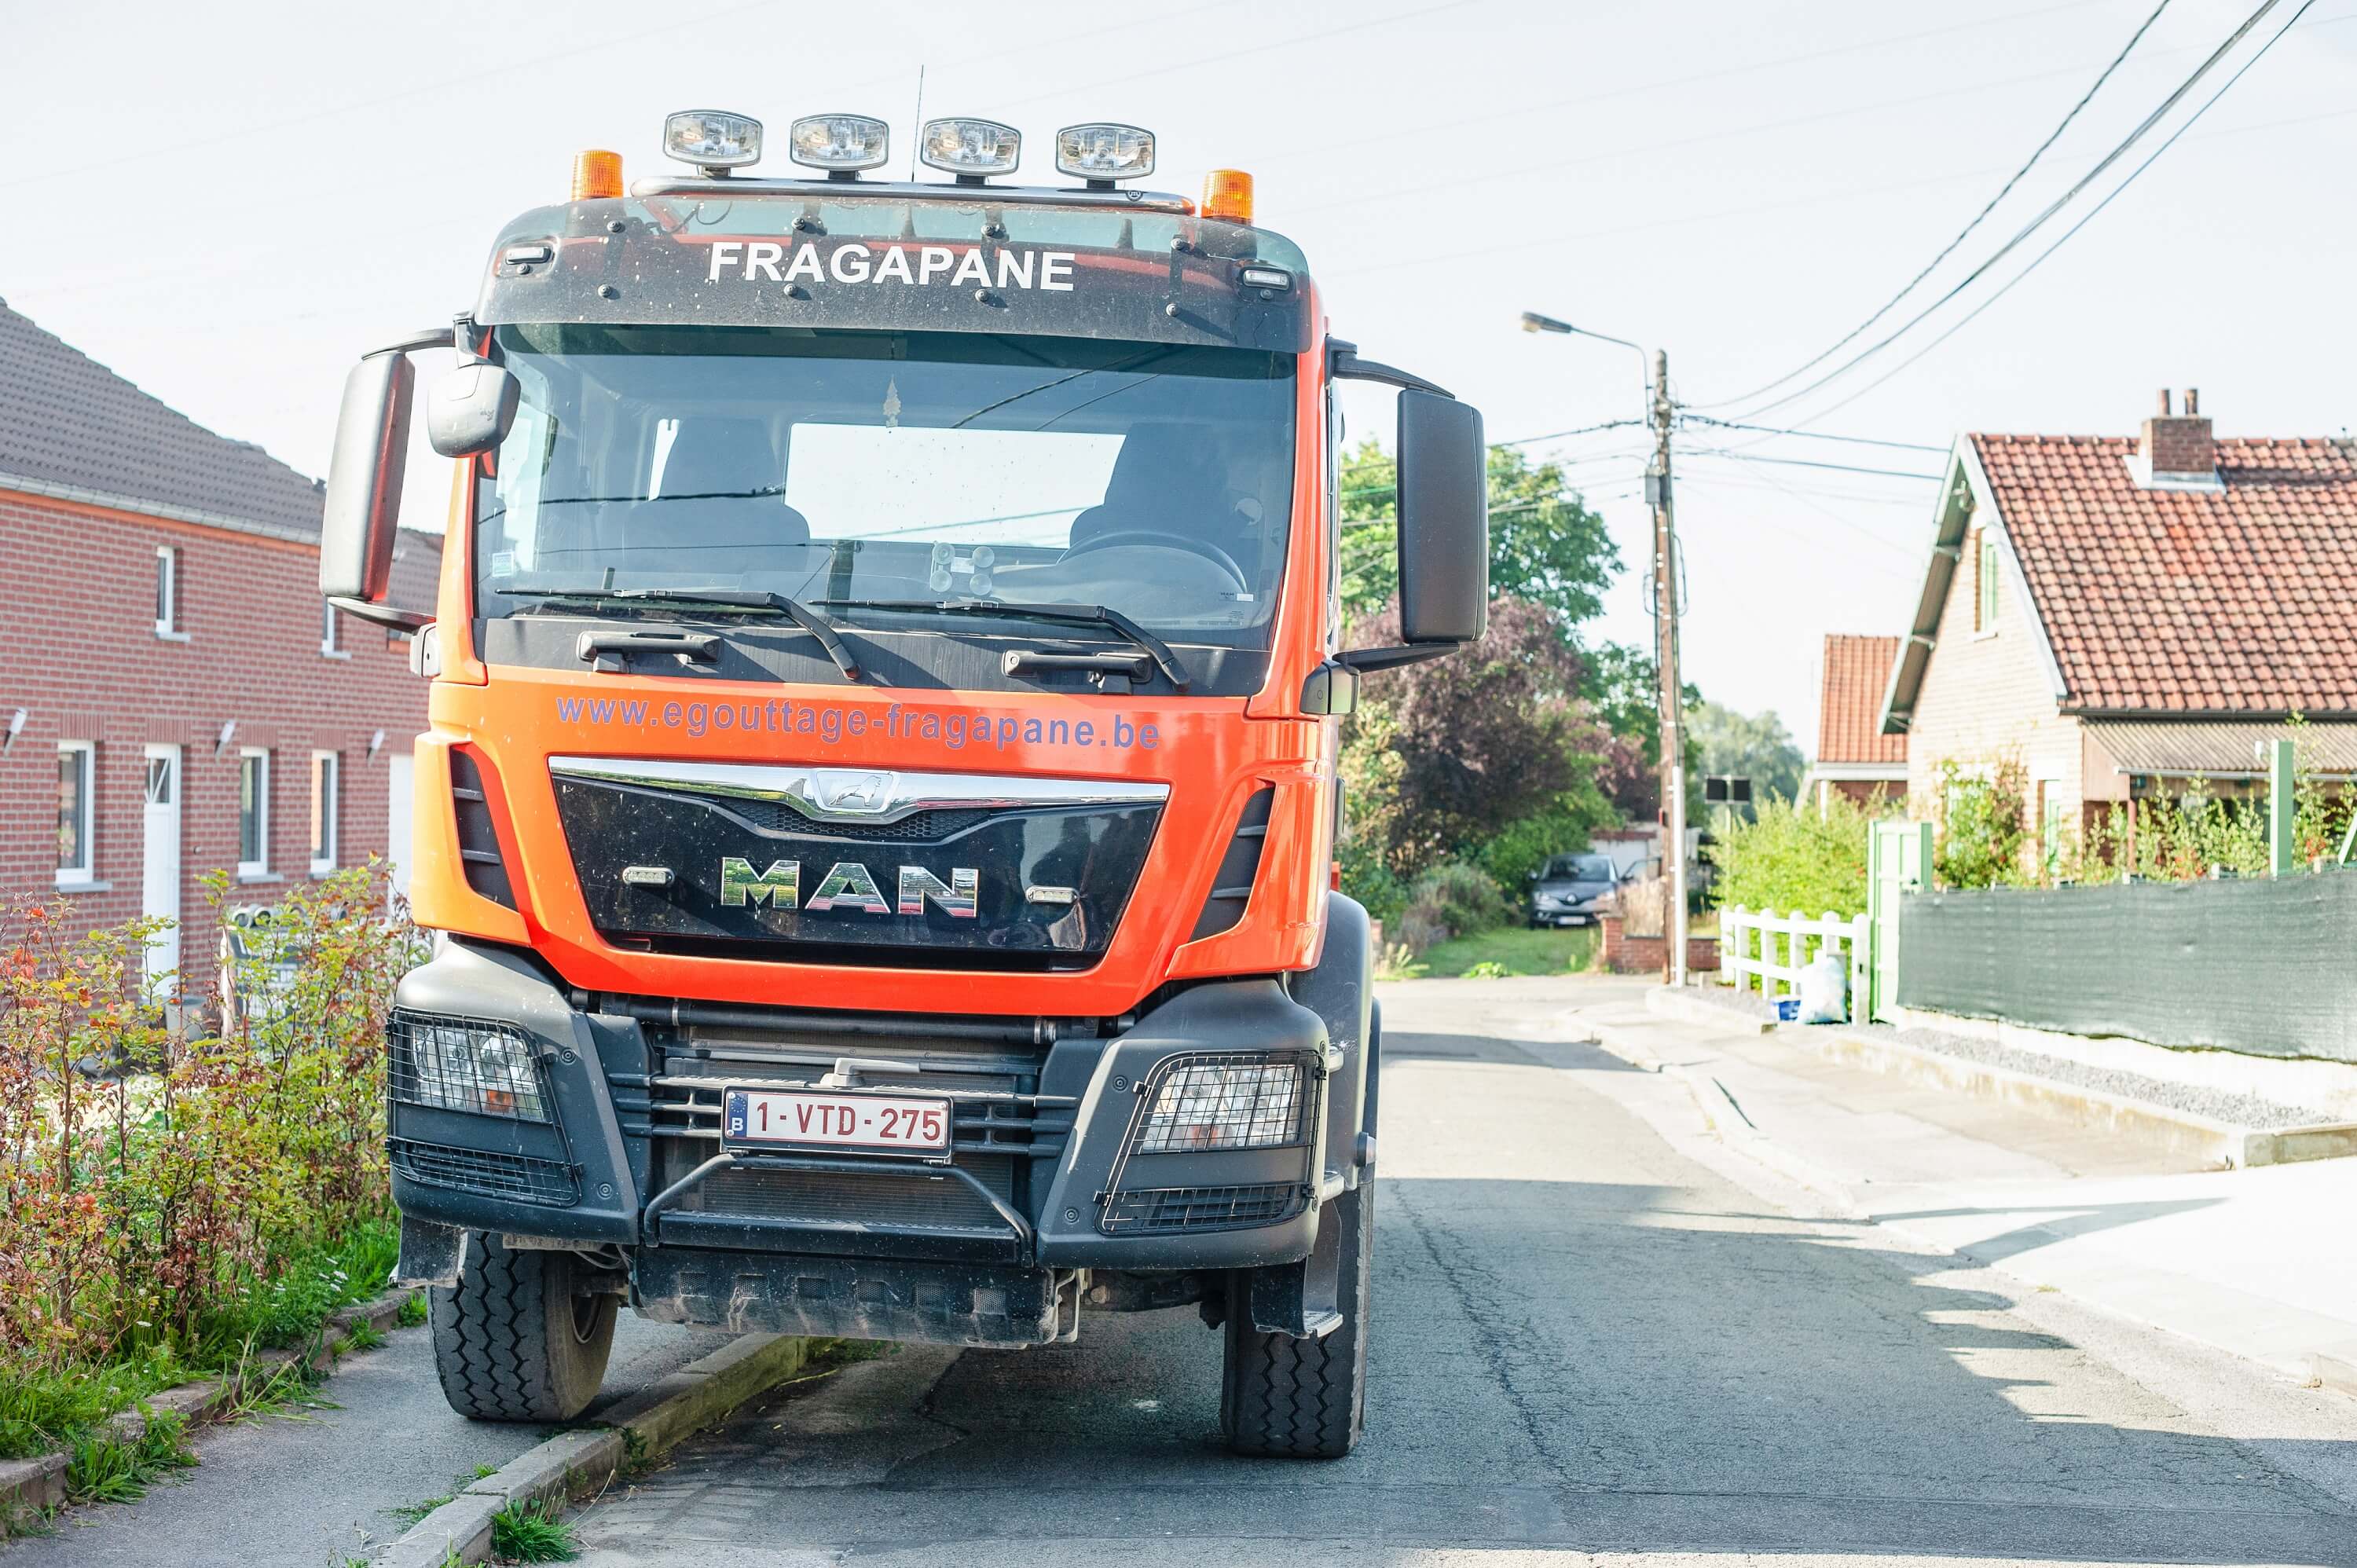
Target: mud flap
{"x": 431, "y": 1254}
{"x": 1304, "y": 1299}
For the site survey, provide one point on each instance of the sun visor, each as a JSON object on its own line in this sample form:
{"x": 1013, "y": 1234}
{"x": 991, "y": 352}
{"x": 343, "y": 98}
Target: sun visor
{"x": 898, "y": 265}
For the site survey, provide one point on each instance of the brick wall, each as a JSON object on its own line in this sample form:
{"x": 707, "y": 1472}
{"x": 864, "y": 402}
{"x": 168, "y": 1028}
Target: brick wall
{"x": 78, "y": 652}
{"x": 1617, "y": 952}
{"x": 1987, "y": 694}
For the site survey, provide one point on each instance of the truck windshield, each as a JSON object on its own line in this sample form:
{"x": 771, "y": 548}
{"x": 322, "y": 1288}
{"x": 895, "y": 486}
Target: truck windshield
{"x": 1154, "y": 479}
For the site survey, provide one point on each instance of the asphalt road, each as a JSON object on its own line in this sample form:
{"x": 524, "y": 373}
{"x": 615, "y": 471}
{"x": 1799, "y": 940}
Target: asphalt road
{"x": 1597, "y": 1333}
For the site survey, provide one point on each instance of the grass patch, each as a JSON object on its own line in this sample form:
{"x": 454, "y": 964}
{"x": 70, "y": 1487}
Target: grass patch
{"x": 409, "y": 1513}
{"x": 111, "y": 1470}
{"x": 363, "y": 1335}
{"x": 531, "y": 1534}
{"x": 1498, "y": 953}
{"x": 413, "y": 1313}
{"x": 43, "y": 1409}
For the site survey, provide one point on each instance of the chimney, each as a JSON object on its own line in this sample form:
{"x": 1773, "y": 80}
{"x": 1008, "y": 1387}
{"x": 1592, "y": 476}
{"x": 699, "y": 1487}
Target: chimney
{"x": 2177, "y": 446}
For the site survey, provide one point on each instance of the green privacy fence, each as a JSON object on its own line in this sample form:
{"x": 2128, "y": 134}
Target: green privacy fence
{"x": 2259, "y": 967}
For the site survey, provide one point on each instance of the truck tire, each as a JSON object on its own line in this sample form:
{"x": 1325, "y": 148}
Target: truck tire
{"x": 1283, "y": 1398}
{"x": 514, "y": 1341}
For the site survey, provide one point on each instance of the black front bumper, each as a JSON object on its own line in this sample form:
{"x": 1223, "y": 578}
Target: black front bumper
{"x": 1044, "y": 1175}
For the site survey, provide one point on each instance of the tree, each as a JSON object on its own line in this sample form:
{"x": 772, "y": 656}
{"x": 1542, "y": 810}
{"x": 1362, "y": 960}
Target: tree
{"x": 1757, "y": 748}
{"x": 1446, "y": 754}
{"x": 1546, "y": 548}
{"x": 1624, "y": 689}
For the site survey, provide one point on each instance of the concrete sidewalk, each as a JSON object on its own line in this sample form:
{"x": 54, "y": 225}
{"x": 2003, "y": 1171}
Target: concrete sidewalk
{"x": 2257, "y": 1263}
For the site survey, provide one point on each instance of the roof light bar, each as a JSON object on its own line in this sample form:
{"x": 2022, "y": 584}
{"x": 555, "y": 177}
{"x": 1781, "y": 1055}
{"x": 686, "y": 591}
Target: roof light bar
{"x": 842, "y": 144}
{"x": 713, "y": 140}
{"x": 971, "y": 149}
{"x": 1101, "y": 153}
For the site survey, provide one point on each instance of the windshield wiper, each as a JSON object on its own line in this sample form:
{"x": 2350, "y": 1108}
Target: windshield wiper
{"x": 747, "y": 600}
{"x": 1073, "y": 614}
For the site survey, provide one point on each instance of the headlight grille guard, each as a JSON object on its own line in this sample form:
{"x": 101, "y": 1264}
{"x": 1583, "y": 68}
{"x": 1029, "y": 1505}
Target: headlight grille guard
{"x": 1293, "y": 1123}
{"x": 424, "y": 1067}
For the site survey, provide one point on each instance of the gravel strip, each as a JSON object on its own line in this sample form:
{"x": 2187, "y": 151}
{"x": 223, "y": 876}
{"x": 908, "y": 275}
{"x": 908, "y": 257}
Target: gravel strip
{"x": 1748, "y": 1003}
{"x": 2220, "y": 1105}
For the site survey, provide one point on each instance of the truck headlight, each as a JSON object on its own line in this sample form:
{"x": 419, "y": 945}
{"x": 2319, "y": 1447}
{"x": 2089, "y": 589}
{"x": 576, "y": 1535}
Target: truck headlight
{"x": 456, "y": 1064}
{"x": 1224, "y": 1101}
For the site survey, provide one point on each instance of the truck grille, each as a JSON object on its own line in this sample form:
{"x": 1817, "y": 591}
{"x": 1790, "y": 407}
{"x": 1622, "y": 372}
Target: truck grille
{"x": 549, "y": 1183}
{"x": 1153, "y": 1210}
{"x": 885, "y": 1198}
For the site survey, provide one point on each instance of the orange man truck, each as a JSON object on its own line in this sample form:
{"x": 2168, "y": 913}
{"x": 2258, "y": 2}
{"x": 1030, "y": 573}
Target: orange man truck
{"x": 879, "y": 810}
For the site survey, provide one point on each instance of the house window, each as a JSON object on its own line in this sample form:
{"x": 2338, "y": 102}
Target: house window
{"x": 168, "y": 592}
{"x": 327, "y": 779}
{"x": 254, "y": 813}
{"x": 326, "y": 628}
{"x": 76, "y": 771}
{"x": 1985, "y": 585}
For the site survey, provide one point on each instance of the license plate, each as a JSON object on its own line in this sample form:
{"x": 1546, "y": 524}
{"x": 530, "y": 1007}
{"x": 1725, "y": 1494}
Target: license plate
{"x": 857, "y": 1124}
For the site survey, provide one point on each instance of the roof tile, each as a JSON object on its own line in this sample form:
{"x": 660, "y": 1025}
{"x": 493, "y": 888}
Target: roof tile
{"x": 2228, "y": 600}
{"x": 1849, "y": 709}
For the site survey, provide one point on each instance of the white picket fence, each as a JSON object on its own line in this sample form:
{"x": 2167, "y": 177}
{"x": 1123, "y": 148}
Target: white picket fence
{"x": 1748, "y": 948}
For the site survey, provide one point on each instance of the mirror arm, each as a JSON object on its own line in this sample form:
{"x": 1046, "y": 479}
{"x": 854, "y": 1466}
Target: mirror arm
{"x": 429, "y": 337}
{"x": 411, "y": 621}
{"x": 1343, "y": 361}
{"x": 1364, "y": 659}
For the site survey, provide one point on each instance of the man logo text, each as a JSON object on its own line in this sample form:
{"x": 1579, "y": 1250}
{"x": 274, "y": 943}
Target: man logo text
{"x": 848, "y": 886}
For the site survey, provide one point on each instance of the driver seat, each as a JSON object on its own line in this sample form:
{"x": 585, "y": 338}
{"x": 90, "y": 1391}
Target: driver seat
{"x": 710, "y": 514}
{"x": 1166, "y": 478}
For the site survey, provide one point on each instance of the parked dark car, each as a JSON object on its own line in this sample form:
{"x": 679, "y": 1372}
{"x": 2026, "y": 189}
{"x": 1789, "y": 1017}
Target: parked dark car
{"x": 1569, "y": 890}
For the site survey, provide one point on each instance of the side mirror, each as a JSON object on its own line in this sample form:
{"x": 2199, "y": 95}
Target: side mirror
{"x": 470, "y": 408}
{"x": 364, "y": 503}
{"x": 1444, "y": 520}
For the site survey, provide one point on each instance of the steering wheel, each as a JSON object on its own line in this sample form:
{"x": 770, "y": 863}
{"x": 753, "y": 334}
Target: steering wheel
{"x": 1153, "y": 540}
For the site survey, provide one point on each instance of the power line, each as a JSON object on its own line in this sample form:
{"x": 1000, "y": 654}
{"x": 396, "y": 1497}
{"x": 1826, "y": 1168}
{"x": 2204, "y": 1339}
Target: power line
{"x": 1818, "y": 434}
{"x": 2030, "y": 228}
{"x": 1965, "y": 232}
{"x": 2065, "y": 239}
{"x": 1521, "y": 441}
{"x": 1742, "y": 456}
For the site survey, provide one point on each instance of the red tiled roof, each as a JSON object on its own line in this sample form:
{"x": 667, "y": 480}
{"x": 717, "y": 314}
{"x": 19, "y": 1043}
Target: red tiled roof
{"x": 1849, "y": 709}
{"x": 2236, "y": 600}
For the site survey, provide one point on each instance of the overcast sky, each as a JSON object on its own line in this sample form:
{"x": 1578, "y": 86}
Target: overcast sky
{"x": 228, "y": 204}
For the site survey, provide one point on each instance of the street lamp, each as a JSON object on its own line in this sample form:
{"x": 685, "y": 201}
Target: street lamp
{"x": 1666, "y": 611}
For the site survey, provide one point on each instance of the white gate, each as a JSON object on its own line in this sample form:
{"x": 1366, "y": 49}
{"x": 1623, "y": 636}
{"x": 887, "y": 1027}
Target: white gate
{"x": 1749, "y": 941}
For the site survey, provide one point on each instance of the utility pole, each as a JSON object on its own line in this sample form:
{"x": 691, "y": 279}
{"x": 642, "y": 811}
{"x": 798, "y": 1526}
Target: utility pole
{"x": 1665, "y": 620}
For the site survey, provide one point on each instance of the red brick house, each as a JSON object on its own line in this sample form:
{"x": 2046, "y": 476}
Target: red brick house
{"x": 2126, "y": 615}
{"x": 173, "y": 697}
{"x": 1855, "y": 758}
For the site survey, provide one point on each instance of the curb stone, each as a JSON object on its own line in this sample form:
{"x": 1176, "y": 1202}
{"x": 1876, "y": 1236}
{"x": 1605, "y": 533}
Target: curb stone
{"x": 649, "y": 1423}
{"x": 2336, "y": 1369}
{"x": 39, "y": 1483}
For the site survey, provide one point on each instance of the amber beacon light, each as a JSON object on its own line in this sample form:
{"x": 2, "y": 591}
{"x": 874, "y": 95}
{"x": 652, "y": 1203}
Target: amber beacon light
{"x": 1228, "y": 196}
{"x": 597, "y": 175}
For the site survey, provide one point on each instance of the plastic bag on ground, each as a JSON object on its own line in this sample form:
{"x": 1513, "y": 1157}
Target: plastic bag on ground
{"x": 1824, "y": 990}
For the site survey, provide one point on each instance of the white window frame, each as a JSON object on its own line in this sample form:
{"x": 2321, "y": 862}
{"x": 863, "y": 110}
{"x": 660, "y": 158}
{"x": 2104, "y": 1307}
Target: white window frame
{"x": 253, "y": 870}
{"x": 86, "y": 831}
{"x": 1987, "y": 586}
{"x": 167, "y": 581}
{"x": 332, "y": 804}
{"x": 328, "y": 616}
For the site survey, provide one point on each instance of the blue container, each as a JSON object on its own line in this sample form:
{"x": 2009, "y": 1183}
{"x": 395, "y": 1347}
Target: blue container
{"x": 1788, "y": 1009}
